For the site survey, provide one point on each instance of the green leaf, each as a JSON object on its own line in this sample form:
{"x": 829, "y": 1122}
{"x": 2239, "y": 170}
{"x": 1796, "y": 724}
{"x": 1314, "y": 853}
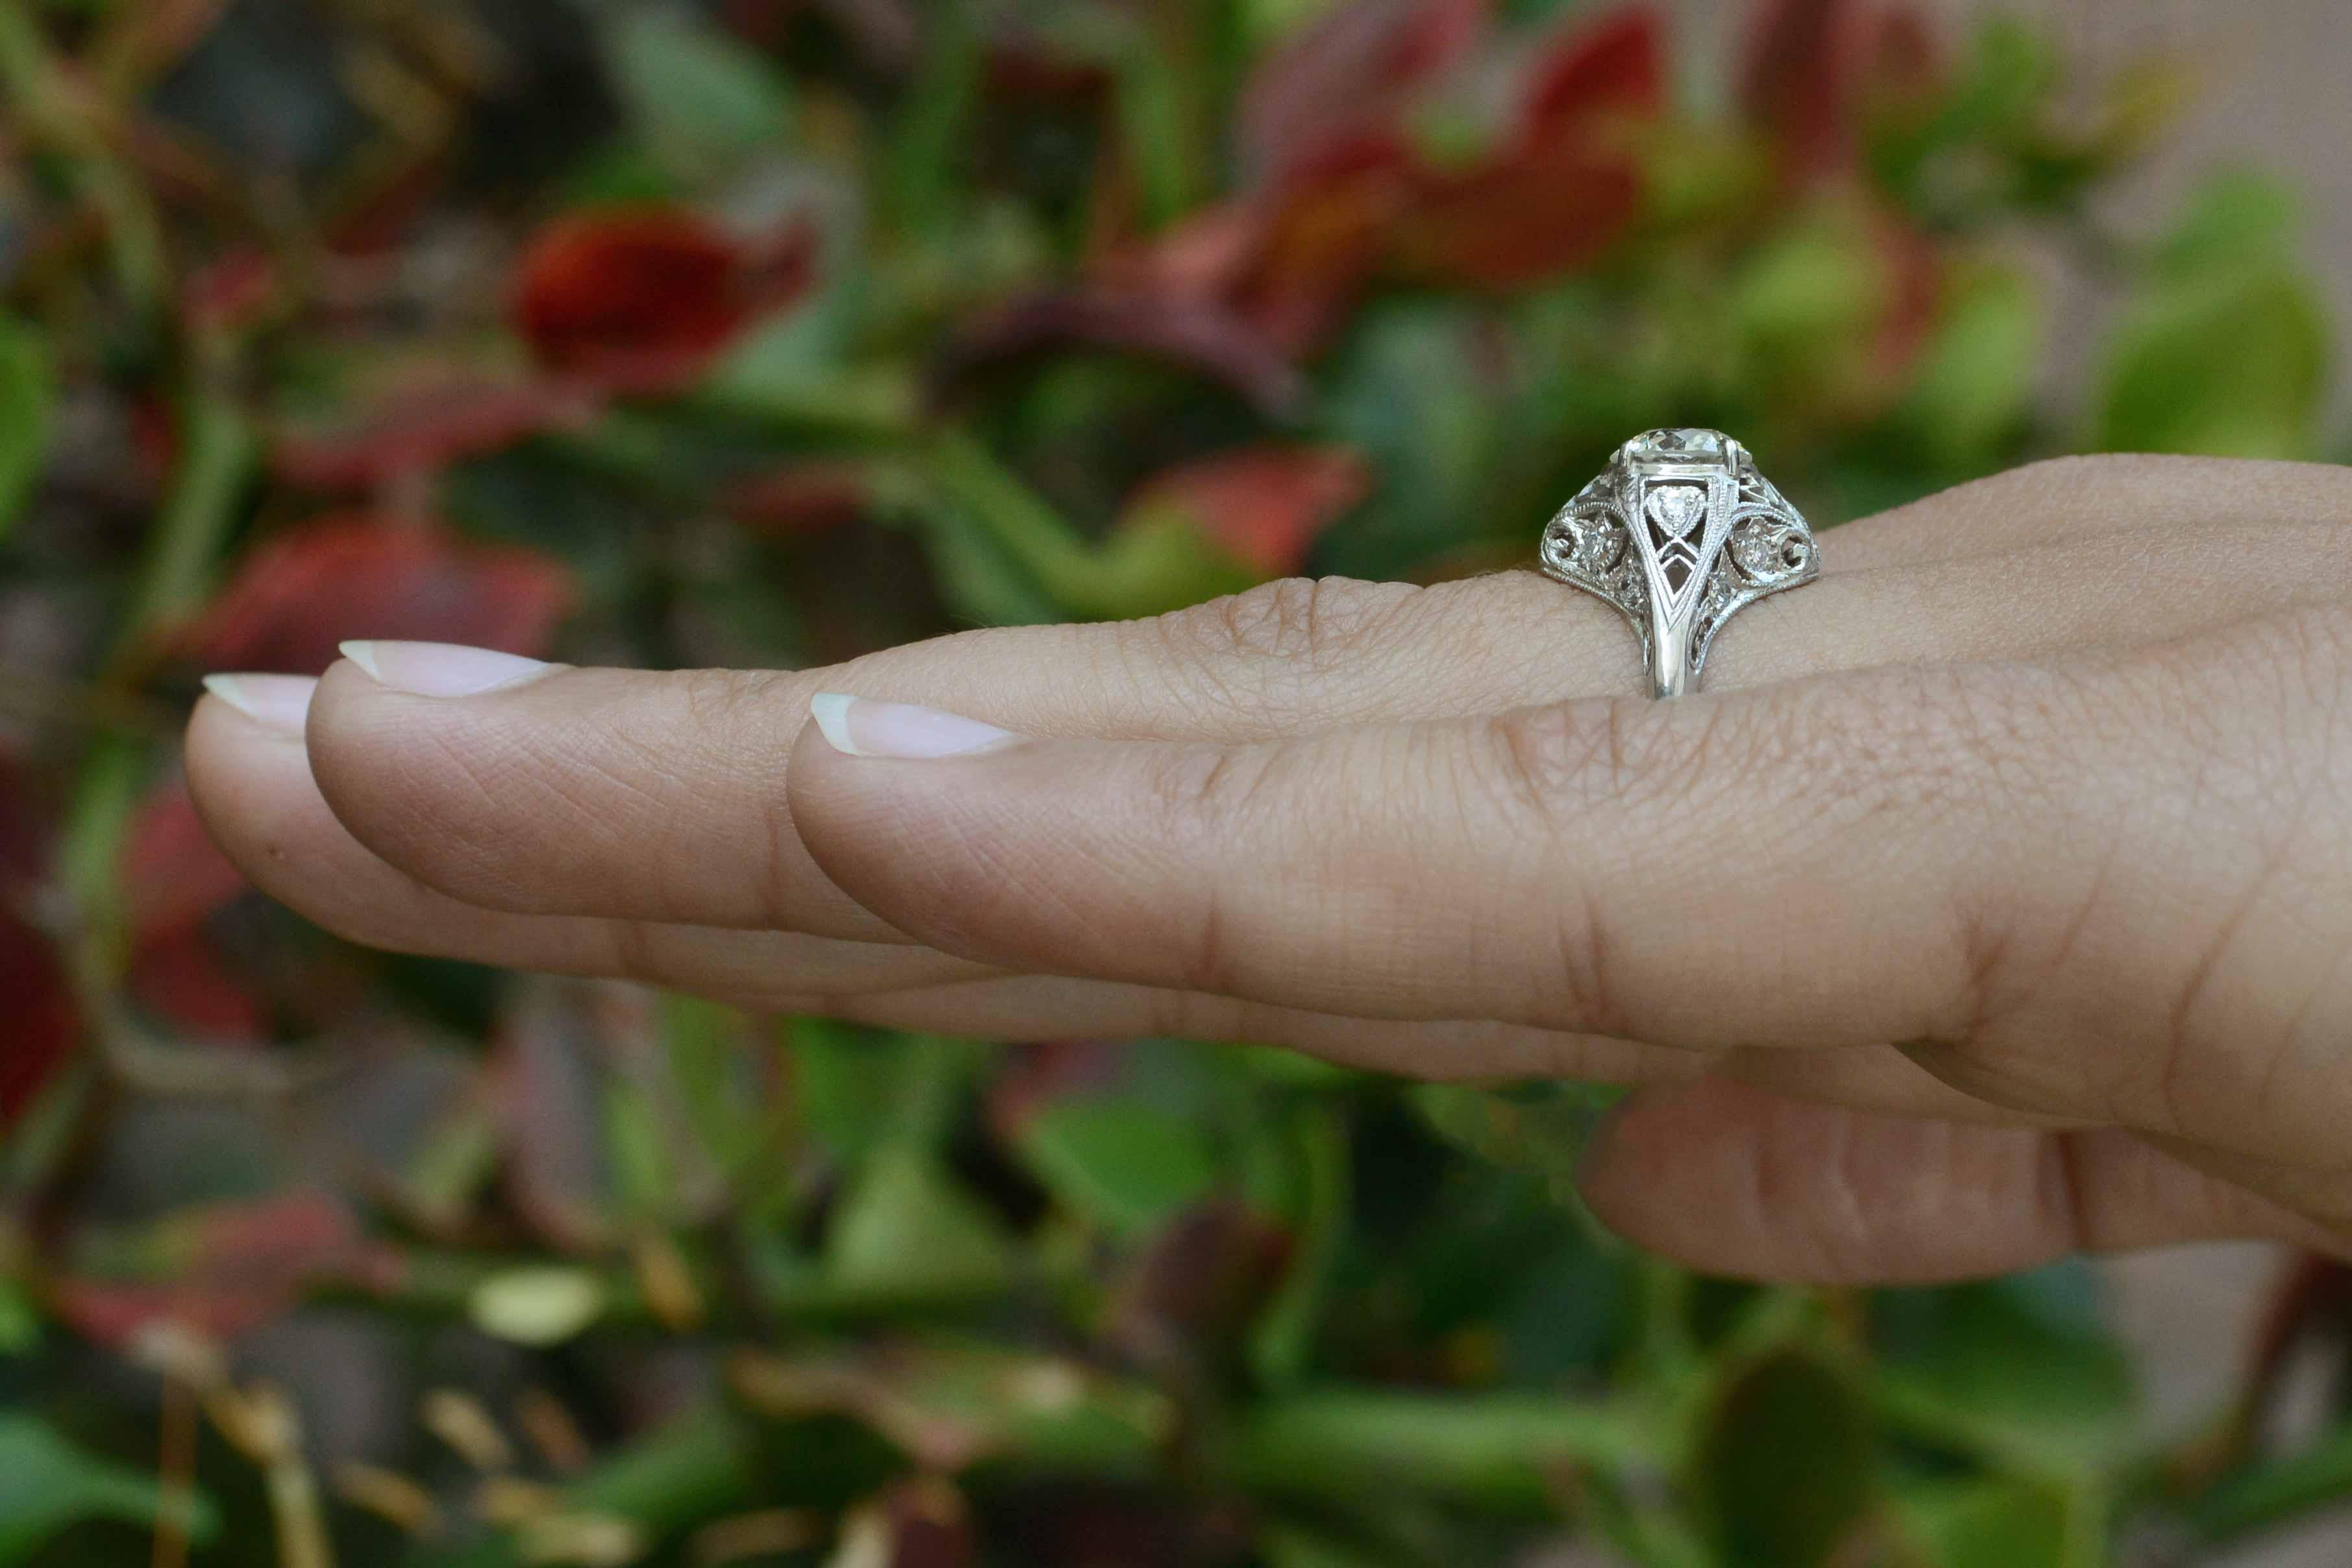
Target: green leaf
{"x": 46, "y": 1484}
{"x": 1412, "y": 394}
{"x": 906, "y": 1230}
{"x": 1538, "y": 1127}
{"x": 922, "y": 177}
{"x": 20, "y": 1322}
{"x": 2021, "y": 1369}
{"x": 2225, "y": 350}
{"x": 2231, "y": 364}
{"x": 1291, "y": 1546}
{"x": 643, "y": 1177}
{"x": 27, "y": 411}
{"x": 859, "y": 1091}
{"x": 2235, "y": 216}
{"x": 1975, "y": 384}
{"x": 1127, "y": 1166}
{"x": 701, "y": 102}
{"x": 2272, "y": 1491}
{"x": 1007, "y": 551}
{"x": 720, "y": 1064}
{"x": 1284, "y": 1338}
{"x": 1994, "y": 1522}
{"x": 1159, "y": 116}
{"x": 1785, "y": 1469}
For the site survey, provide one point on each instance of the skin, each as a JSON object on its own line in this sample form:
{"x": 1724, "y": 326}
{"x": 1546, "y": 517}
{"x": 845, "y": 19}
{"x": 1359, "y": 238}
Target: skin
{"x": 1992, "y": 901}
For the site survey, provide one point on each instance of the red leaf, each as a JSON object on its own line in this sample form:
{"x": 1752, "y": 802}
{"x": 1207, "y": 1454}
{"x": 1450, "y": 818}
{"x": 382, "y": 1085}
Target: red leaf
{"x": 1326, "y": 233}
{"x": 354, "y": 575}
{"x": 1349, "y": 72}
{"x": 1811, "y": 67}
{"x": 1797, "y": 77}
{"x": 1284, "y": 265}
{"x": 226, "y": 1269}
{"x": 1917, "y": 273}
{"x": 804, "y": 498}
{"x": 1263, "y": 505}
{"x": 178, "y": 975}
{"x": 231, "y": 293}
{"x": 1199, "y": 1282}
{"x": 1569, "y": 182}
{"x": 1201, "y": 333}
{"x": 1616, "y": 66}
{"x": 43, "y": 1022}
{"x": 1562, "y": 189}
{"x": 424, "y": 428}
{"x": 1034, "y": 1077}
{"x": 172, "y": 875}
{"x": 1907, "y": 54}
{"x": 642, "y": 299}
{"x": 918, "y": 1523}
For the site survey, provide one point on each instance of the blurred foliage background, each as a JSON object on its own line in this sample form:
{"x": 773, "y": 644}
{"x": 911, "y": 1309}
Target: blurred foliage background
{"x": 771, "y": 331}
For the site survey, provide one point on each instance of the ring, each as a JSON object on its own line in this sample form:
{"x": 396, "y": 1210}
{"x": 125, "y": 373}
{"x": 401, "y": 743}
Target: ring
{"x": 1679, "y": 532}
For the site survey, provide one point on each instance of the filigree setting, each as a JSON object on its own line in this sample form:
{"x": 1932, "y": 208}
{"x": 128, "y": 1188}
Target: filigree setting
{"x": 1680, "y": 533}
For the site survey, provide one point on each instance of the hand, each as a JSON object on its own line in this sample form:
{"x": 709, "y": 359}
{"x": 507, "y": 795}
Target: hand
{"x": 1993, "y": 901}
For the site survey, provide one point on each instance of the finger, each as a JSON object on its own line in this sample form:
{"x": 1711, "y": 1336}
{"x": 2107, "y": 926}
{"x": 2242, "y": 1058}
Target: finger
{"x": 1805, "y": 866}
{"x": 2081, "y": 501}
{"x": 1050, "y": 1008}
{"x": 657, "y": 797}
{"x": 252, "y": 782}
{"x": 1732, "y": 1180}
{"x": 362, "y": 899}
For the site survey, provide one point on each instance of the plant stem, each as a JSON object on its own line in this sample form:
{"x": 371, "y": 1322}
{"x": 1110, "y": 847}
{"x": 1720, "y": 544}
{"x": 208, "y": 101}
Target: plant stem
{"x": 48, "y": 107}
{"x": 1509, "y": 1451}
{"x": 2271, "y": 1492}
{"x": 218, "y": 450}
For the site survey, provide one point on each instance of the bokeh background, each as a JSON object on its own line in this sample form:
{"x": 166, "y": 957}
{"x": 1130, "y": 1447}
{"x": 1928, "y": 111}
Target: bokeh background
{"x": 769, "y": 331}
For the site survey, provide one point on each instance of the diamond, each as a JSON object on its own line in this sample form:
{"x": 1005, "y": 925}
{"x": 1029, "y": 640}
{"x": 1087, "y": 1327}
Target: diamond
{"x": 1598, "y": 542}
{"x": 1677, "y": 446}
{"x": 1769, "y": 549}
{"x": 1675, "y": 510}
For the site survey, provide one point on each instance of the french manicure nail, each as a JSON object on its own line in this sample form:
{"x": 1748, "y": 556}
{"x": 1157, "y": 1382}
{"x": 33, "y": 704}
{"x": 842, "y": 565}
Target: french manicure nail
{"x": 440, "y": 669}
{"x": 863, "y": 727}
{"x": 274, "y": 702}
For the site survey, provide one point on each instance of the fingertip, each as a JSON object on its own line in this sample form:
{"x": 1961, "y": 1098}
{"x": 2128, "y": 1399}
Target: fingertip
{"x": 831, "y": 711}
{"x": 278, "y": 703}
{"x": 361, "y": 653}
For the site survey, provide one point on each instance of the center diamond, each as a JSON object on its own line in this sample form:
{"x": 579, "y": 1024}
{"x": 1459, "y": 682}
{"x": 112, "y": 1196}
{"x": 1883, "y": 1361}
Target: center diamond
{"x": 1676, "y": 446}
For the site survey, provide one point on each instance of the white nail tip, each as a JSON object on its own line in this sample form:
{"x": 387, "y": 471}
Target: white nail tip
{"x": 831, "y": 711}
{"x": 230, "y": 690}
{"x": 361, "y": 653}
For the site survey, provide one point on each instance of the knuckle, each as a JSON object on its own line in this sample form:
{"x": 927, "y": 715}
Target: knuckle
{"x": 1567, "y": 756}
{"x": 1198, "y": 794}
{"x": 721, "y": 702}
{"x": 1295, "y": 618}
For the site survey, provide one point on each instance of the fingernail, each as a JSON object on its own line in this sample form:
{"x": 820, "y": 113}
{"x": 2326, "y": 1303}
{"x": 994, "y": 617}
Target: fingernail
{"x": 277, "y": 702}
{"x": 440, "y": 669}
{"x": 862, "y": 728}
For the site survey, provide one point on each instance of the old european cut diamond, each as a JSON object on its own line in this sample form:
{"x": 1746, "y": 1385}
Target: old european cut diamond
{"x": 1676, "y": 446}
